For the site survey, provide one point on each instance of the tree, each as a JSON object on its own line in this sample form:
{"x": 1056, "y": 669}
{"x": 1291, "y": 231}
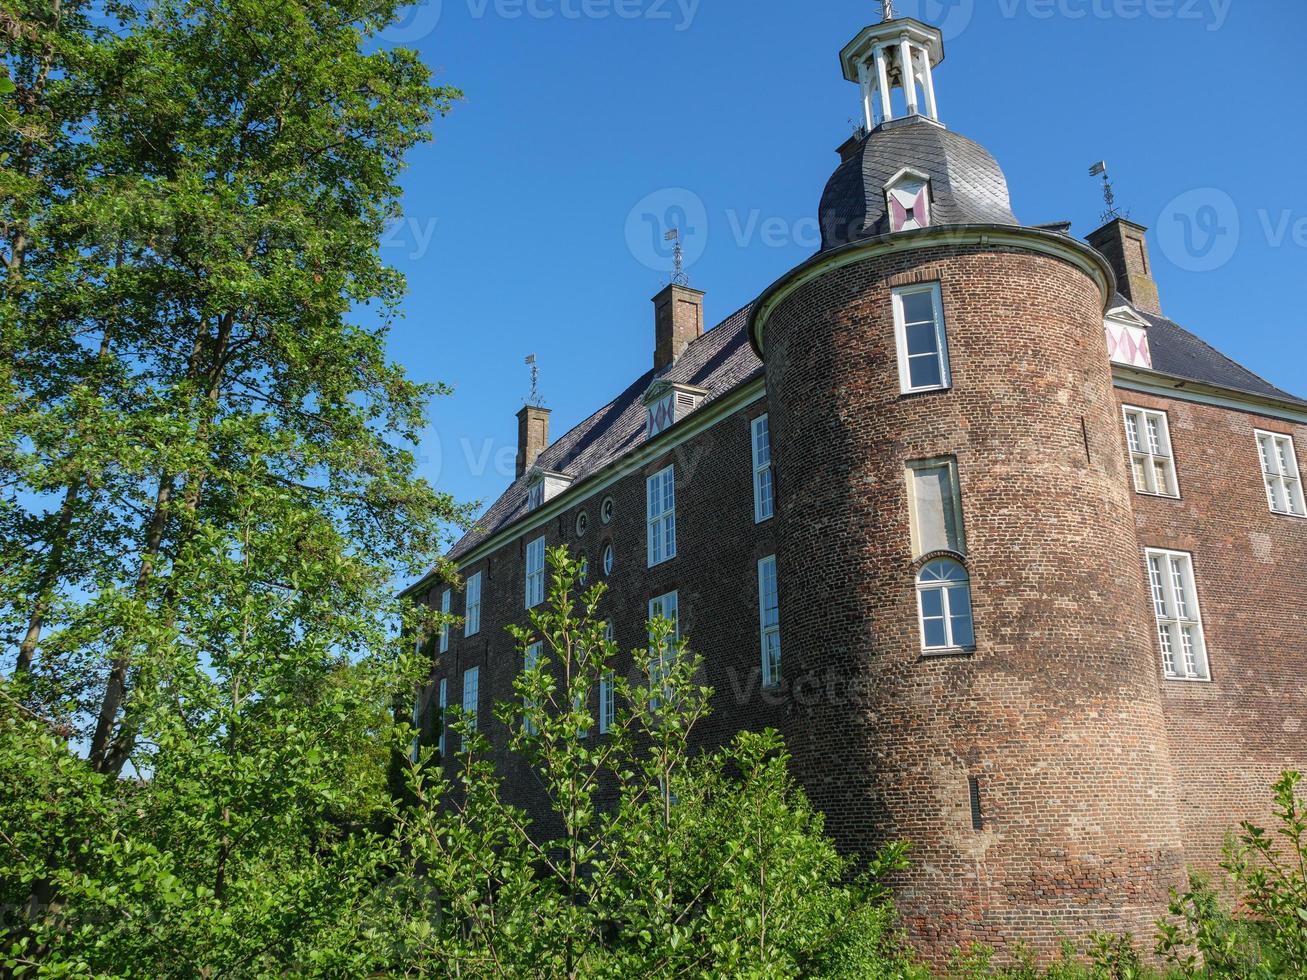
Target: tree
{"x": 654, "y": 860}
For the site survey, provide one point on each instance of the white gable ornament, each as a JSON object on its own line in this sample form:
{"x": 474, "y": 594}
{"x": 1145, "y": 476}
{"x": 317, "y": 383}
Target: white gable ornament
{"x": 908, "y": 198}
{"x": 1127, "y": 338}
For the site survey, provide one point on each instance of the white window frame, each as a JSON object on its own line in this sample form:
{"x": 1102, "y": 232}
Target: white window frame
{"x": 530, "y": 657}
{"x": 658, "y": 607}
{"x": 946, "y": 601}
{"x": 916, "y": 466}
{"x": 472, "y": 613}
{"x": 1173, "y": 588}
{"x": 1150, "y": 450}
{"x": 941, "y": 338}
{"x": 443, "y": 706}
{"x": 471, "y": 696}
{"x": 769, "y": 627}
{"x": 660, "y": 497}
{"x": 535, "y": 572}
{"x": 764, "y": 483}
{"x": 445, "y": 605}
{"x": 1283, "y": 478}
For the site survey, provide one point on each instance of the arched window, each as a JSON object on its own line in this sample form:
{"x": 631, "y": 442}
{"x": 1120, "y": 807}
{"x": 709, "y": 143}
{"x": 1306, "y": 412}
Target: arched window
{"x": 944, "y": 599}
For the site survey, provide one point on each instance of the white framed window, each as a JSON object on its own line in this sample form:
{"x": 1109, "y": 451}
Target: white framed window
{"x": 764, "y": 505}
{"x": 664, "y": 607}
{"x": 535, "y": 573}
{"x": 1148, "y": 434}
{"x": 608, "y": 559}
{"x": 607, "y": 702}
{"x": 661, "y": 493}
{"x": 442, "y": 707}
{"x": 472, "y": 615}
{"x": 530, "y": 658}
{"x": 769, "y": 617}
{"x": 1179, "y": 622}
{"x": 471, "y": 692}
{"x": 445, "y": 606}
{"x": 922, "y": 338}
{"x": 935, "y": 502}
{"x": 944, "y": 604}
{"x": 1283, "y": 478}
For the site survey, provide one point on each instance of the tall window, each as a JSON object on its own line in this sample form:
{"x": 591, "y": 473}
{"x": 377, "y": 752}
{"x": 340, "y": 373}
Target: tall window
{"x": 535, "y": 573}
{"x": 530, "y": 659}
{"x": 663, "y": 607}
{"x": 769, "y": 614}
{"x": 1283, "y": 480}
{"x": 922, "y": 339}
{"x": 936, "y": 502}
{"x": 944, "y": 601}
{"x": 443, "y": 706}
{"x": 444, "y": 627}
{"x": 471, "y": 691}
{"x": 763, "y": 503}
{"x": 661, "y": 489}
{"x": 607, "y": 702}
{"x": 1179, "y": 623}
{"x": 472, "y": 617}
{"x": 1149, "y": 438}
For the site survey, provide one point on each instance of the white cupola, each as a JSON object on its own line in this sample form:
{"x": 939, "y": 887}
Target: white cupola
{"x": 893, "y": 63}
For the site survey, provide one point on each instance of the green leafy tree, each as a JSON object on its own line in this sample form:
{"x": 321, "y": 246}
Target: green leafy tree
{"x": 654, "y": 860}
{"x": 1267, "y": 936}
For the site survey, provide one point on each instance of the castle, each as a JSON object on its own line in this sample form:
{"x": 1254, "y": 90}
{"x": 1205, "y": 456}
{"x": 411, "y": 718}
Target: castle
{"x": 1014, "y": 562}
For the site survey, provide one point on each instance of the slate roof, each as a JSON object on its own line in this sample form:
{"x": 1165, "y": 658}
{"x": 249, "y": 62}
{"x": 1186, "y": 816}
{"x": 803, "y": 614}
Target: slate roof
{"x": 967, "y": 184}
{"x": 719, "y": 361}
{"x": 723, "y": 359}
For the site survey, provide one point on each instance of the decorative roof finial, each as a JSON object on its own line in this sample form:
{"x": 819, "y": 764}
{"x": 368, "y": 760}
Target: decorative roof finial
{"x": 889, "y": 9}
{"x": 535, "y": 400}
{"x": 679, "y": 276}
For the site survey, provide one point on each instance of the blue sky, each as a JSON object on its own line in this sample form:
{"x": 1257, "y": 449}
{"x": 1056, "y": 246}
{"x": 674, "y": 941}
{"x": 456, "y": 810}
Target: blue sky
{"x": 530, "y": 220}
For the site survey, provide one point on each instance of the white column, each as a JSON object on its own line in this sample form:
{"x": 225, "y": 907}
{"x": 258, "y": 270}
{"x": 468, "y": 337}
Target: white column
{"x": 882, "y": 76}
{"x": 864, "y": 80}
{"x": 909, "y": 80}
{"x": 928, "y": 84}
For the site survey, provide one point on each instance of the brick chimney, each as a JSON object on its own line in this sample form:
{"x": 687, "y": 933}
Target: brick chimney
{"x": 532, "y": 436}
{"x": 1125, "y": 246}
{"x": 678, "y": 322}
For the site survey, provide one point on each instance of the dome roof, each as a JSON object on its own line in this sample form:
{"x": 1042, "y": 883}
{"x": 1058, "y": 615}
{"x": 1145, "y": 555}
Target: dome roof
{"x": 967, "y": 185}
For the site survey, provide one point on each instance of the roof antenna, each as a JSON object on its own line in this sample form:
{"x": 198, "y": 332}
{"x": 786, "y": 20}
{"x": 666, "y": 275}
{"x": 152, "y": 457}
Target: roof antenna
{"x": 1111, "y": 212}
{"x": 534, "y": 399}
{"x": 679, "y": 277}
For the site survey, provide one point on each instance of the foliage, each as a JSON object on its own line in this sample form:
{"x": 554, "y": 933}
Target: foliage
{"x": 1104, "y": 956}
{"x": 652, "y": 861}
{"x": 1267, "y": 937}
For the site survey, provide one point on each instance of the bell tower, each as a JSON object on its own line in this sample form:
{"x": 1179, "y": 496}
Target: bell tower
{"x": 893, "y": 64}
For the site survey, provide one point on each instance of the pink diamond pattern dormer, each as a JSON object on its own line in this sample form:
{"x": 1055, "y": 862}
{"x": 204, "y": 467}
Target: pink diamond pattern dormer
{"x": 907, "y": 195}
{"x": 1127, "y": 338}
{"x": 666, "y": 403}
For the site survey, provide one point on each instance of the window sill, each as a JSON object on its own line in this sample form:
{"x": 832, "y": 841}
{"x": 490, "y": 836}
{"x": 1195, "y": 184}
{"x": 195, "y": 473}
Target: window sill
{"x": 1286, "y": 513}
{"x": 663, "y": 562}
{"x": 1158, "y": 496}
{"x": 1186, "y": 680}
{"x": 943, "y": 653}
{"x": 909, "y": 392}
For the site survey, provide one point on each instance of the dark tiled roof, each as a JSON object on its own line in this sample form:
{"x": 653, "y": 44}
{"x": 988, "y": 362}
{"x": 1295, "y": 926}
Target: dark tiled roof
{"x": 719, "y": 361}
{"x": 967, "y": 183}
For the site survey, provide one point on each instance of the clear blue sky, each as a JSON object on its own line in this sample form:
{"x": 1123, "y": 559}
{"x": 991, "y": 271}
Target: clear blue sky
{"x": 525, "y": 230}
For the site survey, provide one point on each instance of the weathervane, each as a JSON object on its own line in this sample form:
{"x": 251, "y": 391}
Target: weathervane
{"x": 1110, "y": 212}
{"x": 534, "y": 398}
{"x": 679, "y": 278}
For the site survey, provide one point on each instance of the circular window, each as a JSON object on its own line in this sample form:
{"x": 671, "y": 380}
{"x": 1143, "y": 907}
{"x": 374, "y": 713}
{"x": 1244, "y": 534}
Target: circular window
{"x": 608, "y": 559}
{"x": 582, "y": 524}
{"x": 585, "y": 571}
{"x": 606, "y": 510}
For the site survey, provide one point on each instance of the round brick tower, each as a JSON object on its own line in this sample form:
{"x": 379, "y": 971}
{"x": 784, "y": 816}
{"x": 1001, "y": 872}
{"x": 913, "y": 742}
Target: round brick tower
{"x": 1025, "y": 760}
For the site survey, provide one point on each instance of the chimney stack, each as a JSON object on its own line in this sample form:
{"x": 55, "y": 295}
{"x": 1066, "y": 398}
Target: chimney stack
{"x": 678, "y": 322}
{"x": 532, "y": 436}
{"x": 1125, "y": 246}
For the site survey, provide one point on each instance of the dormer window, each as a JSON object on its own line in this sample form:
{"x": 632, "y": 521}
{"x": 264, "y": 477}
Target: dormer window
{"x": 1127, "y": 338}
{"x": 667, "y": 402}
{"x": 907, "y": 198}
{"x": 545, "y": 485}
